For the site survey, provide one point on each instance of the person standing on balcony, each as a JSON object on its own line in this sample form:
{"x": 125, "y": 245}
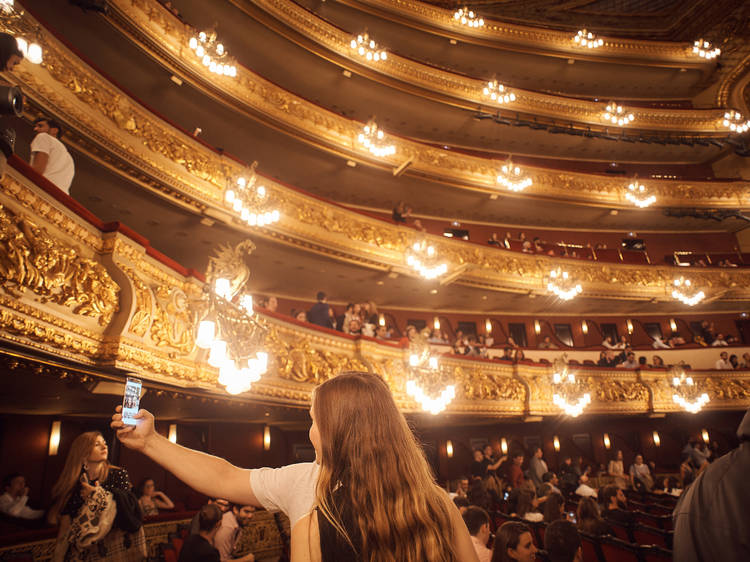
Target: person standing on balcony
{"x": 49, "y": 157}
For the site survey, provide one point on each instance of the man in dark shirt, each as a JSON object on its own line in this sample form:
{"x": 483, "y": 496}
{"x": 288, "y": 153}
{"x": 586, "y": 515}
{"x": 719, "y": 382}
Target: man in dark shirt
{"x": 199, "y": 548}
{"x": 615, "y": 506}
{"x": 711, "y": 518}
{"x": 320, "y": 312}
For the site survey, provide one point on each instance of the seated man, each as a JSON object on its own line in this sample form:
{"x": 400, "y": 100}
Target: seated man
{"x": 615, "y": 506}
{"x": 232, "y": 522}
{"x": 478, "y": 522}
{"x": 223, "y": 506}
{"x": 562, "y": 542}
{"x": 199, "y": 547}
{"x": 640, "y": 475}
{"x": 550, "y": 483}
{"x": 14, "y": 498}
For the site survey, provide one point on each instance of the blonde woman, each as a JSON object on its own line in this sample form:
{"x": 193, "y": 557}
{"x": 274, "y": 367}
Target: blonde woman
{"x": 88, "y": 484}
{"x": 369, "y": 495}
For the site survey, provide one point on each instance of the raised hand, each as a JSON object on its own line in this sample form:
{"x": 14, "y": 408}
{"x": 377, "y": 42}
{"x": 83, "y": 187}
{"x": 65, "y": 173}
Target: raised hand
{"x": 134, "y": 436}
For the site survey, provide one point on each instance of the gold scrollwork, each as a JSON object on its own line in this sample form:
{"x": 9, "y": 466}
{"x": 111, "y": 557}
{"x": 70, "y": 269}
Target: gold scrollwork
{"x": 478, "y": 383}
{"x": 33, "y": 259}
{"x": 174, "y": 322}
{"x": 144, "y": 303}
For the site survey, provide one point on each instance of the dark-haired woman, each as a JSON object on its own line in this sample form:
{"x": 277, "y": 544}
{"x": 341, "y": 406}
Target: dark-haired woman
{"x": 90, "y": 499}
{"x": 151, "y": 499}
{"x": 513, "y": 543}
{"x": 369, "y": 496}
{"x": 589, "y": 519}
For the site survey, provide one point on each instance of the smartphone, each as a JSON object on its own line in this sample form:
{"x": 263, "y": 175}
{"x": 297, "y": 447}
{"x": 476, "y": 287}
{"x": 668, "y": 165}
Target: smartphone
{"x": 506, "y": 495}
{"x": 131, "y": 400}
{"x": 572, "y": 517}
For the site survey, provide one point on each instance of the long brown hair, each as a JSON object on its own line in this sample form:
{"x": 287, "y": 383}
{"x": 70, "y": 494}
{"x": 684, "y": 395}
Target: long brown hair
{"x": 370, "y": 456}
{"x": 78, "y": 454}
{"x": 508, "y": 536}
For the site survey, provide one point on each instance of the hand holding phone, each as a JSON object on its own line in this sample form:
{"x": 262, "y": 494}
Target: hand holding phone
{"x": 131, "y": 400}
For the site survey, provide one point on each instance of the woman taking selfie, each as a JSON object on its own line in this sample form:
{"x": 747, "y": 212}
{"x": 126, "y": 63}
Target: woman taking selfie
{"x": 90, "y": 503}
{"x": 369, "y": 495}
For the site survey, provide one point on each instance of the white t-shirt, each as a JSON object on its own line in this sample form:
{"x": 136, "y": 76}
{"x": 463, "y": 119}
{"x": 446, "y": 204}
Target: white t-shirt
{"x": 290, "y": 489}
{"x": 60, "y": 168}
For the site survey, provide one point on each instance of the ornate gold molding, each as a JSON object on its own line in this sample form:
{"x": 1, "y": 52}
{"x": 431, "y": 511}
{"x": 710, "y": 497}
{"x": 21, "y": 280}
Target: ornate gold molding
{"x": 469, "y": 90}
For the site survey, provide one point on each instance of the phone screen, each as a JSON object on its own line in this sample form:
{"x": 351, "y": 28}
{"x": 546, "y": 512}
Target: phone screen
{"x": 131, "y": 400}
{"x": 572, "y": 516}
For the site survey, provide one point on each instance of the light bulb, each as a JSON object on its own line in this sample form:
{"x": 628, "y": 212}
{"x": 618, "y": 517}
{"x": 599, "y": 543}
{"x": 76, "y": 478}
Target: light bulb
{"x": 223, "y": 288}
{"x": 206, "y": 333}
{"x": 35, "y": 53}
{"x": 218, "y": 355}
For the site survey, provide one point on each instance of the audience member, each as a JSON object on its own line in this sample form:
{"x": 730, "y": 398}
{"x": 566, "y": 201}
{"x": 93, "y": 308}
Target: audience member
{"x": 526, "y": 506}
{"x": 746, "y": 361}
{"x": 15, "y": 492}
{"x": 711, "y": 517}
{"x": 461, "y": 503}
{"x": 568, "y": 476}
{"x": 478, "y": 494}
{"x": 478, "y": 522}
{"x": 198, "y": 547}
{"x": 640, "y": 475}
{"x": 549, "y": 485}
{"x": 10, "y": 55}
{"x": 537, "y": 466}
{"x": 223, "y": 506}
{"x": 723, "y": 363}
{"x": 734, "y": 361}
{"x": 547, "y": 343}
{"x": 513, "y": 543}
{"x": 272, "y": 304}
{"x": 615, "y": 505}
{"x": 608, "y": 343}
{"x": 401, "y": 212}
{"x": 49, "y": 157}
{"x": 320, "y": 312}
{"x": 86, "y": 497}
{"x": 617, "y": 471}
{"x": 657, "y": 362}
{"x": 562, "y": 542}
{"x": 719, "y": 341}
{"x": 225, "y": 538}
{"x": 589, "y": 519}
{"x": 630, "y": 362}
{"x": 554, "y": 508}
{"x": 495, "y": 241}
{"x": 658, "y": 343}
{"x": 150, "y": 499}
{"x": 515, "y": 474}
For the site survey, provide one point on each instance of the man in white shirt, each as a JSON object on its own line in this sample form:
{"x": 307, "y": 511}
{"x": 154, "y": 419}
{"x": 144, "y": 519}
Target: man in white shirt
{"x": 478, "y": 522}
{"x": 226, "y": 537}
{"x": 723, "y": 362}
{"x": 14, "y": 498}
{"x": 49, "y": 157}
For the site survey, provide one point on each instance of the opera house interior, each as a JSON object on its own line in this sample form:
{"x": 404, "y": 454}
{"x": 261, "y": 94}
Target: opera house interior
{"x": 529, "y": 219}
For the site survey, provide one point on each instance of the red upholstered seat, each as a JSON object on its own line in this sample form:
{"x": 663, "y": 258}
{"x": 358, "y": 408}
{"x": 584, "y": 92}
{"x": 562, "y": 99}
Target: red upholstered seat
{"x": 615, "y": 550}
{"x": 170, "y": 555}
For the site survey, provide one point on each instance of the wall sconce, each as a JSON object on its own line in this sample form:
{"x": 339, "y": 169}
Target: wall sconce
{"x": 449, "y": 449}
{"x": 537, "y": 327}
{"x": 704, "y": 436}
{"x": 173, "y": 432}
{"x": 556, "y": 443}
{"x": 266, "y": 438}
{"x": 607, "y": 443}
{"x": 54, "y": 438}
{"x": 584, "y": 327}
{"x": 488, "y": 326}
{"x": 436, "y": 323}
{"x": 657, "y": 439}
{"x": 381, "y": 319}
{"x": 672, "y": 325}
{"x": 504, "y": 446}
{"x": 630, "y": 326}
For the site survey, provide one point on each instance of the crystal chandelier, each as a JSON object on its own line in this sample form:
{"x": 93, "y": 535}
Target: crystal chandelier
{"x": 373, "y": 139}
{"x": 250, "y": 200}
{"x": 423, "y": 258}
{"x": 585, "y": 38}
{"x": 616, "y": 115}
{"x": 638, "y": 195}
{"x": 467, "y": 17}
{"x": 365, "y": 47}
{"x": 229, "y": 328}
{"x": 424, "y": 367}
{"x": 6, "y": 6}
{"x": 686, "y": 393}
{"x": 681, "y": 292}
{"x": 568, "y": 394}
{"x": 734, "y": 121}
{"x": 496, "y": 92}
{"x": 31, "y": 51}
{"x": 703, "y": 49}
{"x": 511, "y": 177}
{"x": 212, "y": 53}
{"x": 562, "y": 285}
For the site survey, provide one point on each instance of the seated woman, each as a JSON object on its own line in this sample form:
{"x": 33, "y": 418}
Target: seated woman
{"x": 554, "y": 507}
{"x": 513, "y": 543}
{"x": 527, "y": 505}
{"x": 150, "y": 499}
{"x": 616, "y": 469}
{"x": 589, "y": 518}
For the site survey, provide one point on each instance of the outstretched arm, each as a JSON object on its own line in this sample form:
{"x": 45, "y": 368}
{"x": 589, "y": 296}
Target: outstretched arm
{"x": 204, "y": 473}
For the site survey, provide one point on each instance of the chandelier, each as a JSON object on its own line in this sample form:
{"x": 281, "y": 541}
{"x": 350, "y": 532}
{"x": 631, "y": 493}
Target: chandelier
{"x": 373, "y": 139}
{"x": 467, "y": 17}
{"x": 364, "y": 46}
{"x": 423, "y": 258}
{"x": 734, "y": 121}
{"x": 587, "y": 39}
{"x": 568, "y": 394}
{"x": 616, "y": 115}
{"x": 511, "y": 177}
{"x": 229, "y": 328}
{"x": 561, "y": 284}
{"x": 703, "y": 49}
{"x": 684, "y": 293}
{"x": 686, "y": 393}
{"x": 638, "y": 195}
{"x": 424, "y": 372}
{"x": 31, "y": 50}
{"x": 496, "y": 92}
{"x": 6, "y": 6}
{"x": 250, "y": 200}
{"x": 211, "y": 52}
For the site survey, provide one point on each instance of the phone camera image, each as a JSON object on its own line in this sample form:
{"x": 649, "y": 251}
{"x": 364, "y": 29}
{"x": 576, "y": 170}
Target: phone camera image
{"x": 131, "y": 400}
